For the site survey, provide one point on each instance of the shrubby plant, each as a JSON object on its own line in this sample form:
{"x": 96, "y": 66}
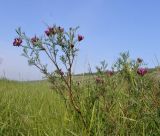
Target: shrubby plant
{"x": 61, "y": 48}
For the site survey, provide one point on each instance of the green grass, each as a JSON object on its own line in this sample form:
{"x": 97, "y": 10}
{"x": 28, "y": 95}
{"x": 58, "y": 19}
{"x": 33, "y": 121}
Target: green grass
{"x": 33, "y": 109}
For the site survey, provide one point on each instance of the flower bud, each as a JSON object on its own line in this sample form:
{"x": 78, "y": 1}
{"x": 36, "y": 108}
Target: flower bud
{"x": 17, "y": 42}
{"x": 80, "y": 38}
{"x": 72, "y": 46}
{"x": 34, "y": 40}
{"x": 139, "y": 60}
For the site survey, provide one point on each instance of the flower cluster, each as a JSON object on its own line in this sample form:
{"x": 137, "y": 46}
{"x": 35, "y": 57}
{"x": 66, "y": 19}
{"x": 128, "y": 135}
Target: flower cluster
{"x": 80, "y": 38}
{"x": 142, "y": 71}
{"x": 34, "y": 40}
{"x": 54, "y": 30}
{"x": 51, "y": 31}
{"x": 17, "y": 42}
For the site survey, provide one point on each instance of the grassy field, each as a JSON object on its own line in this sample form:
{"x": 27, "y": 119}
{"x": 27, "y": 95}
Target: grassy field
{"x": 31, "y": 109}
{"x": 34, "y": 109}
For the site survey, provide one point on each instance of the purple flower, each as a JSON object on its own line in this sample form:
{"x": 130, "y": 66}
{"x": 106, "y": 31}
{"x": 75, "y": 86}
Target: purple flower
{"x": 110, "y": 73}
{"x": 47, "y": 33}
{"x": 72, "y": 46}
{"x": 61, "y": 72}
{"x": 34, "y": 40}
{"x": 99, "y": 80}
{"x": 50, "y": 31}
{"x": 139, "y": 60}
{"x": 142, "y": 71}
{"x": 80, "y": 38}
{"x": 17, "y": 42}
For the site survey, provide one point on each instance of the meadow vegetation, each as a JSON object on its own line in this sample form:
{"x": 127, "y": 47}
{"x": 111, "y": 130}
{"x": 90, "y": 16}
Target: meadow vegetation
{"x": 124, "y": 100}
{"x": 124, "y": 103}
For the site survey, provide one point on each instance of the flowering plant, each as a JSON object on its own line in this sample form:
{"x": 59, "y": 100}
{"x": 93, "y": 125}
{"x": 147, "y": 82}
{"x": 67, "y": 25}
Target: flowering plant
{"x": 60, "y": 47}
{"x": 142, "y": 71}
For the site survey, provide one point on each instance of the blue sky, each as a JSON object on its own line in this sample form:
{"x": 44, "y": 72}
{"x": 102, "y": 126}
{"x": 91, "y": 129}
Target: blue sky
{"x": 109, "y": 27}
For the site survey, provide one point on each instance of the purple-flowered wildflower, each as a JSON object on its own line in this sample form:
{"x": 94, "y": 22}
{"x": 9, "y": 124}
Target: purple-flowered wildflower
{"x": 110, "y": 73}
{"x": 17, "y": 42}
{"x": 139, "y": 60}
{"x": 34, "y": 40}
{"x": 99, "y": 80}
{"x": 142, "y": 71}
{"x": 50, "y": 31}
{"x": 80, "y": 38}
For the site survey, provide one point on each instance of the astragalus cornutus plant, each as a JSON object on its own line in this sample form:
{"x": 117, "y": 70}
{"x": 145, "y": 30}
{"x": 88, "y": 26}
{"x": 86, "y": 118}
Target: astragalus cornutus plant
{"x": 60, "y": 47}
